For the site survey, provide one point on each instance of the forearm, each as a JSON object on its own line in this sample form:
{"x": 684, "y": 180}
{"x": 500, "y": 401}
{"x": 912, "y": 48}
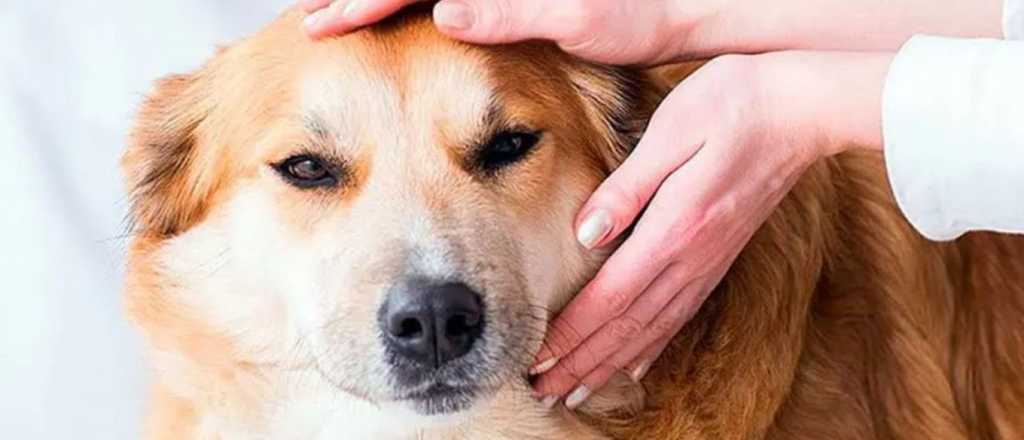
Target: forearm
{"x": 753, "y": 26}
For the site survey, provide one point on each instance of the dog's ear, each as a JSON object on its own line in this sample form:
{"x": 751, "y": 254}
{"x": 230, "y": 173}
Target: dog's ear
{"x": 165, "y": 197}
{"x": 619, "y": 102}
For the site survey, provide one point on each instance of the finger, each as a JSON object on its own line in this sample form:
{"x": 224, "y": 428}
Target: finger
{"x": 621, "y": 281}
{"x": 311, "y": 6}
{"x": 575, "y": 361}
{"x": 639, "y": 367}
{"x": 346, "y": 15}
{"x": 666, "y": 325}
{"x": 606, "y": 348}
{"x": 504, "y": 21}
{"x": 600, "y": 376}
{"x": 665, "y": 146}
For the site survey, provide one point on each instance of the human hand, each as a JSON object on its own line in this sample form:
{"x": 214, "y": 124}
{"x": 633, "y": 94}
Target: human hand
{"x": 656, "y": 31}
{"x": 719, "y": 155}
{"x": 608, "y": 31}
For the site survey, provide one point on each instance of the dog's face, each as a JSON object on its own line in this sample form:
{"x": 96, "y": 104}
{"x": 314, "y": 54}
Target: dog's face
{"x": 390, "y": 212}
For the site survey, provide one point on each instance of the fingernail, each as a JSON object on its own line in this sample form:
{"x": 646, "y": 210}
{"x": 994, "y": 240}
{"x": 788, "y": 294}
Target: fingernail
{"x": 352, "y": 7}
{"x": 312, "y": 19}
{"x": 549, "y": 402}
{"x": 543, "y": 367}
{"x": 641, "y": 371}
{"x": 454, "y": 15}
{"x": 594, "y": 228}
{"x": 578, "y": 396}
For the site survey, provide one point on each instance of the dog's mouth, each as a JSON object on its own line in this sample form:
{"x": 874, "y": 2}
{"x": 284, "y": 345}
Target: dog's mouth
{"x": 452, "y": 387}
{"x": 439, "y": 398}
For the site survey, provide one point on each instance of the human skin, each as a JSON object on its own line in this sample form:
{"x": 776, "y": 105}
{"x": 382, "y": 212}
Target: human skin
{"x": 656, "y": 31}
{"x": 719, "y": 154}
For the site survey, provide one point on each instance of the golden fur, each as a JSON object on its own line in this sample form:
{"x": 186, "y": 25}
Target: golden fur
{"x": 837, "y": 321}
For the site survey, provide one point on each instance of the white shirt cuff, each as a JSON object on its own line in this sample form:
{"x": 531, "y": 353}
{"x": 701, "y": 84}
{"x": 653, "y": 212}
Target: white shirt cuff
{"x": 953, "y": 125}
{"x": 1013, "y": 19}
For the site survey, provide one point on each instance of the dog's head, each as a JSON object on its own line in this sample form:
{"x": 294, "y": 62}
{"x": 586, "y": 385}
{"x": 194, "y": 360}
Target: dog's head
{"x": 391, "y": 211}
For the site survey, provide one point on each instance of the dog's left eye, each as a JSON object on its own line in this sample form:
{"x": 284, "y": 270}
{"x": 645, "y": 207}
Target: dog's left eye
{"x": 307, "y": 172}
{"x": 507, "y": 148}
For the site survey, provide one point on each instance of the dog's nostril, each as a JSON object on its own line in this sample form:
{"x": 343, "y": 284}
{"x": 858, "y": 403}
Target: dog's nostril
{"x": 459, "y": 325}
{"x": 409, "y": 328}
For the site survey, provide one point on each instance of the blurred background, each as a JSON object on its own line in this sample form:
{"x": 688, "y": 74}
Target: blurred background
{"x": 72, "y": 74}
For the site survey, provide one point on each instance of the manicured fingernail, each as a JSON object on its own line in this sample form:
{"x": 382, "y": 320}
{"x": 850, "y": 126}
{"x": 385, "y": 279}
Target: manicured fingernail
{"x": 454, "y": 15}
{"x": 312, "y": 19}
{"x": 594, "y": 228}
{"x": 641, "y": 371}
{"x": 544, "y": 367}
{"x": 352, "y": 8}
{"x": 549, "y": 402}
{"x": 577, "y": 397}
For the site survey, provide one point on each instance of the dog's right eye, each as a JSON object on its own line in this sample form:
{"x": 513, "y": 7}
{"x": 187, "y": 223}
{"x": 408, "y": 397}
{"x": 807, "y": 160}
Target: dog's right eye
{"x": 306, "y": 172}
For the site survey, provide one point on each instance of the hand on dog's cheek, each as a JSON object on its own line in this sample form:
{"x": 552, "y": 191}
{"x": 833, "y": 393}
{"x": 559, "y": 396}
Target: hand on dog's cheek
{"x": 719, "y": 155}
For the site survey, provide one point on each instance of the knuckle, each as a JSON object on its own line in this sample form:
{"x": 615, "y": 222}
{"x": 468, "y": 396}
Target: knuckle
{"x": 574, "y": 370}
{"x": 663, "y": 326}
{"x": 618, "y": 301}
{"x": 625, "y": 328}
{"x": 689, "y": 226}
{"x": 558, "y": 341}
{"x": 607, "y": 293}
{"x": 684, "y": 229}
{"x": 557, "y": 382}
{"x": 671, "y": 242}
{"x": 615, "y": 193}
{"x": 665, "y": 252}
{"x": 610, "y": 365}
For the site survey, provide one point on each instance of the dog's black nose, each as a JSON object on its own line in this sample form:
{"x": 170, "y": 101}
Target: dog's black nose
{"x": 432, "y": 324}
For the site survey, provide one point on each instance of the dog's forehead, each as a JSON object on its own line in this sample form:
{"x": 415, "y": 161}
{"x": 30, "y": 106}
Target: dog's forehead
{"x": 364, "y": 89}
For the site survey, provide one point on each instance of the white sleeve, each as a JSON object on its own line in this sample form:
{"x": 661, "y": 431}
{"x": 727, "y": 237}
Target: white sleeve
{"x": 1013, "y": 19}
{"x": 953, "y": 125}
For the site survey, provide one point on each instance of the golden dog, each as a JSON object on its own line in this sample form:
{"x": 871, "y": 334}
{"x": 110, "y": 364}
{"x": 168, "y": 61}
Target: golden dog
{"x": 364, "y": 237}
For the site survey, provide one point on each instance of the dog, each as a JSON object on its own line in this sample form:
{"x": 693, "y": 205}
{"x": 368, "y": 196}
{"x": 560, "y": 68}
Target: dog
{"x": 365, "y": 237}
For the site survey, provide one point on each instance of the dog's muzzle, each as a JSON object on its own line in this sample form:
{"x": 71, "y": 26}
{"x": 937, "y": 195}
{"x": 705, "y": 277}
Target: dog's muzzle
{"x": 429, "y": 328}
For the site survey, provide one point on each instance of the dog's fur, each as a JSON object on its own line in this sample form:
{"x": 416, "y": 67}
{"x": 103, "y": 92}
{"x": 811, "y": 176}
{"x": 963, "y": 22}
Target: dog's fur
{"x": 259, "y": 300}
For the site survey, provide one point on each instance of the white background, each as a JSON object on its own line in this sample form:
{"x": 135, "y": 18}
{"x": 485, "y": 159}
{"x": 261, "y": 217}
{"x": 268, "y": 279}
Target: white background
{"x": 72, "y": 74}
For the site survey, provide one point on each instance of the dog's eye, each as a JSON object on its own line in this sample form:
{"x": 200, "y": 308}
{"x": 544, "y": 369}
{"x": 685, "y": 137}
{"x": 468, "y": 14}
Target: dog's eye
{"x": 307, "y": 172}
{"x": 507, "y": 148}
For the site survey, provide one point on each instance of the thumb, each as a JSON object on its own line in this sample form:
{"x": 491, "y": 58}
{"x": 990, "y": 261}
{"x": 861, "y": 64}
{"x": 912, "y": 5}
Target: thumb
{"x": 497, "y": 21}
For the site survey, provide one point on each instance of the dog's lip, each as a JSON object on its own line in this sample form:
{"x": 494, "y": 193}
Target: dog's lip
{"x": 440, "y": 390}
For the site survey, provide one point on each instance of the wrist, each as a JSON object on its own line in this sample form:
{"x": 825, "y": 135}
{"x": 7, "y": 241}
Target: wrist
{"x": 834, "y": 100}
